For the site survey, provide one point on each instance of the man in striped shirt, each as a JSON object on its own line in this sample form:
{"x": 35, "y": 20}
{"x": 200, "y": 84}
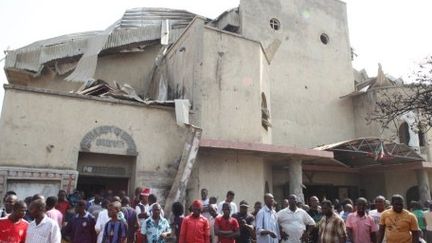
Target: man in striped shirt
{"x": 331, "y": 226}
{"x": 115, "y": 230}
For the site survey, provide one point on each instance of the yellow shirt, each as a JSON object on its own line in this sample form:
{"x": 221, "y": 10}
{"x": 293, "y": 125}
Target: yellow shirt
{"x": 398, "y": 226}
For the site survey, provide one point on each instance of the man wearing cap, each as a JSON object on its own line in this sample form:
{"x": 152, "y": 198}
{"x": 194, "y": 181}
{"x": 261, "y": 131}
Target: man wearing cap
{"x": 246, "y": 221}
{"x": 296, "y": 224}
{"x": 195, "y": 227}
{"x": 142, "y": 210}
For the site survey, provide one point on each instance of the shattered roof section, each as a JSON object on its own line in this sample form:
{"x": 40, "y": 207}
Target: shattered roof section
{"x": 363, "y": 83}
{"x": 137, "y": 25}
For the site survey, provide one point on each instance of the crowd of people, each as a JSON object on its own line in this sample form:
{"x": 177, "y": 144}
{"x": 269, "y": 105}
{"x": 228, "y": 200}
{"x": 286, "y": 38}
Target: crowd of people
{"x": 110, "y": 218}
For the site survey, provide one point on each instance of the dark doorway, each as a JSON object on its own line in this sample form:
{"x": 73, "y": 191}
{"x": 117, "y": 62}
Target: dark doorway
{"x": 97, "y": 184}
{"x": 330, "y": 192}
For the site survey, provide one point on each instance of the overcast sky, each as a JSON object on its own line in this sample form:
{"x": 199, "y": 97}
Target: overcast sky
{"x": 395, "y": 33}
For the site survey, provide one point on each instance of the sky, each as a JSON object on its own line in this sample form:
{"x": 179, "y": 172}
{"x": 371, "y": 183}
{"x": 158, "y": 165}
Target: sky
{"x": 394, "y": 33}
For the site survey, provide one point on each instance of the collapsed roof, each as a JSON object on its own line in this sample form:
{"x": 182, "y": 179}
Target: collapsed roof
{"x": 366, "y": 152}
{"x": 137, "y": 28}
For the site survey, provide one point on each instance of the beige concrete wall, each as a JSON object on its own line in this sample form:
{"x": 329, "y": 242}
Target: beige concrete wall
{"x": 399, "y": 181}
{"x": 281, "y": 177}
{"x": 221, "y": 172}
{"x": 223, "y": 75}
{"x": 132, "y": 68}
{"x": 231, "y": 87}
{"x": 184, "y": 63}
{"x": 307, "y": 77}
{"x": 44, "y": 131}
{"x": 373, "y": 184}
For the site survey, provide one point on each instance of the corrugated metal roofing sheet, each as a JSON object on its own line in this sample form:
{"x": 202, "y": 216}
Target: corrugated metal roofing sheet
{"x": 136, "y": 25}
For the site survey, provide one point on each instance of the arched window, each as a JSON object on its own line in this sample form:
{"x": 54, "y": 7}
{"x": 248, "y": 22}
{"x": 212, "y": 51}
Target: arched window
{"x": 404, "y": 136}
{"x": 422, "y": 138}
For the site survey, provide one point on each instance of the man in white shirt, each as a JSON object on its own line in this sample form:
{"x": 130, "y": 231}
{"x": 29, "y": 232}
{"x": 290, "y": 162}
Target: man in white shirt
{"x": 267, "y": 227}
{"x": 142, "y": 209}
{"x": 296, "y": 224}
{"x": 42, "y": 228}
{"x": 229, "y": 199}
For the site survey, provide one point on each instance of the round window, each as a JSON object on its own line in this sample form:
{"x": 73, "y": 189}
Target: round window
{"x": 274, "y": 24}
{"x": 324, "y": 38}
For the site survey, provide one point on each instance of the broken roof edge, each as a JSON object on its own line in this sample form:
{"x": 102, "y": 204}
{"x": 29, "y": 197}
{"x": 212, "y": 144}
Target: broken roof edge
{"x": 166, "y": 105}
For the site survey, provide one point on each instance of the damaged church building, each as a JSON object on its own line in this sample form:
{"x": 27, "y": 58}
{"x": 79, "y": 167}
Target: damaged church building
{"x": 261, "y": 99}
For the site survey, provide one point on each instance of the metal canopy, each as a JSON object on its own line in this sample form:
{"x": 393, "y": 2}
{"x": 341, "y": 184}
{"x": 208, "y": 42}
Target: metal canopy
{"x": 365, "y": 152}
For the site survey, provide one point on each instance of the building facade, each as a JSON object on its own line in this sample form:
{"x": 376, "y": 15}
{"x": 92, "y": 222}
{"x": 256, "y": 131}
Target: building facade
{"x": 264, "y": 82}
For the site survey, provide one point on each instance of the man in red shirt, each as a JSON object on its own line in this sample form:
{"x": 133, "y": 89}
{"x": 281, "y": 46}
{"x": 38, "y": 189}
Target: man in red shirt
{"x": 62, "y": 203}
{"x": 227, "y": 227}
{"x": 13, "y": 228}
{"x": 195, "y": 228}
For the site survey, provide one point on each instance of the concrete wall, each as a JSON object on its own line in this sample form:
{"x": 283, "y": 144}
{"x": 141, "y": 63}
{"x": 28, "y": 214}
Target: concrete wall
{"x": 243, "y": 174}
{"x": 231, "y": 87}
{"x": 399, "y": 181}
{"x": 132, "y": 68}
{"x": 44, "y": 131}
{"x": 223, "y": 75}
{"x": 305, "y": 74}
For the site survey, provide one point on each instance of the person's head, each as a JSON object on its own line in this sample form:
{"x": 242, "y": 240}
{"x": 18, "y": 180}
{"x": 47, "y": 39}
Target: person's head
{"x": 122, "y": 194}
{"x": 348, "y": 208}
{"x": 51, "y": 202}
{"x": 38, "y": 197}
{"x": 196, "y": 208}
{"x": 326, "y": 207}
{"x": 115, "y": 199}
{"x": 7, "y": 194}
{"x": 269, "y": 200}
{"x": 138, "y": 191}
{"x": 285, "y": 203}
{"x": 61, "y": 195}
{"x": 226, "y": 209}
{"x": 361, "y": 205}
{"x": 313, "y": 202}
{"x": 415, "y": 205}
{"x": 257, "y": 206}
{"x": 292, "y": 201}
{"x": 113, "y": 209}
{"x": 152, "y": 199}
{"x": 380, "y": 203}
{"x": 177, "y": 209}
{"x": 105, "y": 203}
{"x": 125, "y": 201}
{"x": 244, "y": 206}
{"x": 430, "y": 205}
{"x": 9, "y": 202}
{"x": 230, "y": 196}
{"x": 19, "y": 210}
{"x": 347, "y": 201}
{"x": 97, "y": 199}
{"x": 81, "y": 207}
{"x": 37, "y": 208}
{"x": 156, "y": 211}
{"x": 387, "y": 204}
{"x": 144, "y": 195}
{"x": 204, "y": 194}
{"x": 397, "y": 202}
{"x": 212, "y": 200}
{"x": 213, "y": 210}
